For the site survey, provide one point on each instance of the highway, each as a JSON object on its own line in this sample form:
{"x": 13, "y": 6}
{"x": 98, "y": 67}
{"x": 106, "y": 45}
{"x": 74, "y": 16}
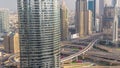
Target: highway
{"x": 88, "y": 47}
{"x": 91, "y": 44}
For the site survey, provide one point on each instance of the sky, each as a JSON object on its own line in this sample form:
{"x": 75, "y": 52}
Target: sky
{"x": 11, "y": 4}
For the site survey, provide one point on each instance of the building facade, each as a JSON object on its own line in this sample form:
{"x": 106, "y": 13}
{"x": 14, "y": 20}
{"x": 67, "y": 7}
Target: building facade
{"x": 115, "y": 23}
{"x": 108, "y": 18}
{"x": 4, "y": 20}
{"x": 84, "y": 18}
{"x": 92, "y": 7}
{"x": 11, "y": 42}
{"x": 39, "y": 33}
{"x": 81, "y": 6}
{"x": 64, "y": 21}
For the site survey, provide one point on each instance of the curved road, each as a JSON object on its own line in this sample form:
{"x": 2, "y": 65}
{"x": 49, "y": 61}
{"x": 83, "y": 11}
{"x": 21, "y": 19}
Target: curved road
{"x": 91, "y": 44}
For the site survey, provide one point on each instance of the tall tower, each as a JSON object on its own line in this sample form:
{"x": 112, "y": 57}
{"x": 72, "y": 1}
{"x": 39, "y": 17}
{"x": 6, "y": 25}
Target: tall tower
{"x": 39, "y": 33}
{"x": 92, "y": 7}
{"x": 64, "y": 21}
{"x": 4, "y": 20}
{"x": 81, "y": 25}
{"x": 115, "y": 23}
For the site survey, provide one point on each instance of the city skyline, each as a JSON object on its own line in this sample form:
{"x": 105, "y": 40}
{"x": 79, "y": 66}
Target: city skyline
{"x": 59, "y": 33}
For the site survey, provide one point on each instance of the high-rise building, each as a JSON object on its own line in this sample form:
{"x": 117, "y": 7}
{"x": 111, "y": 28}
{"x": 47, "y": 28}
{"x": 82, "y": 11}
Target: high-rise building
{"x": 64, "y": 21}
{"x": 99, "y": 6}
{"x": 107, "y": 18}
{"x": 81, "y": 6}
{"x": 92, "y": 7}
{"x": 115, "y": 23}
{"x": 39, "y": 33}
{"x": 89, "y": 21}
{"x": 11, "y": 42}
{"x": 4, "y": 20}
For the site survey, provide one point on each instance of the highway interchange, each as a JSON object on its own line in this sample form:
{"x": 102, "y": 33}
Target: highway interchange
{"x": 78, "y": 47}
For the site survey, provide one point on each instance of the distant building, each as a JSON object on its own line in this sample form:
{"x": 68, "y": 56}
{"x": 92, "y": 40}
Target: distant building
{"x": 13, "y": 20}
{"x": 97, "y": 25}
{"x": 108, "y": 17}
{"x": 13, "y": 17}
{"x": 80, "y": 16}
{"x": 4, "y": 20}
{"x": 64, "y": 21}
{"x": 102, "y": 5}
{"x": 115, "y": 23}
{"x": 84, "y": 19}
{"x": 92, "y": 7}
{"x": 108, "y": 2}
{"x": 89, "y": 21}
{"x": 11, "y": 43}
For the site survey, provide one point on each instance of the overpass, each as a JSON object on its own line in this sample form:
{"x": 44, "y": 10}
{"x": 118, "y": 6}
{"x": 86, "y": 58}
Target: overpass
{"x": 91, "y": 44}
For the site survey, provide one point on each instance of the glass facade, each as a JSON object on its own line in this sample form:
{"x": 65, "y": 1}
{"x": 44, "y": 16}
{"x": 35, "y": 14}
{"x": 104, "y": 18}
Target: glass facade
{"x": 4, "y": 20}
{"x": 91, "y": 5}
{"x": 39, "y": 33}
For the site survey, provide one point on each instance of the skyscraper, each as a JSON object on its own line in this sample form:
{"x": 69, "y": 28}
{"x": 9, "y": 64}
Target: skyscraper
{"x": 4, "y": 20}
{"x": 115, "y": 23}
{"x": 39, "y": 33}
{"x": 80, "y": 17}
{"x": 92, "y": 6}
{"x": 101, "y": 7}
{"x": 64, "y": 21}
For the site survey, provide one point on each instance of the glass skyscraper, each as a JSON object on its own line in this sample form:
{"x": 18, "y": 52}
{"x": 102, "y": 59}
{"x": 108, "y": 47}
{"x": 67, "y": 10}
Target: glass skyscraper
{"x": 39, "y": 33}
{"x": 92, "y": 6}
{"x": 4, "y": 20}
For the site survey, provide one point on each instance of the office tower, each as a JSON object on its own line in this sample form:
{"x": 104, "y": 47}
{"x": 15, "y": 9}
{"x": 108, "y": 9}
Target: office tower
{"x": 107, "y": 18}
{"x": 80, "y": 16}
{"x": 4, "y": 20}
{"x": 11, "y": 42}
{"x": 64, "y": 21}
{"x": 99, "y": 7}
{"x": 16, "y": 43}
{"x": 39, "y": 33}
{"x": 115, "y": 23}
{"x": 89, "y": 21}
{"x": 92, "y": 7}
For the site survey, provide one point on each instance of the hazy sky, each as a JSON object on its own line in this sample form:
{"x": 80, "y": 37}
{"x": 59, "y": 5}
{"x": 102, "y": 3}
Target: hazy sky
{"x": 11, "y": 4}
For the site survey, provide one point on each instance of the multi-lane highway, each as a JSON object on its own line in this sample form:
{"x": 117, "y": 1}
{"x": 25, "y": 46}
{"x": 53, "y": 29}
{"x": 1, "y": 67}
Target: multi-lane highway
{"x": 88, "y": 47}
{"x": 91, "y": 44}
